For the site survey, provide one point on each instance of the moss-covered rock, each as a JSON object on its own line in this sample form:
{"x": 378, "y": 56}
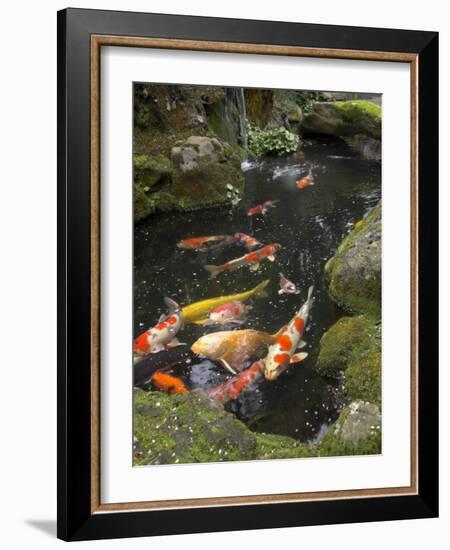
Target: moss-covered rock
{"x": 164, "y": 118}
{"x": 279, "y": 446}
{"x": 354, "y": 272}
{"x": 345, "y": 340}
{"x": 357, "y": 431}
{"x": 352, "y": 348}
{"x": 344, "y": 118}
{"x": 187, "y": 428}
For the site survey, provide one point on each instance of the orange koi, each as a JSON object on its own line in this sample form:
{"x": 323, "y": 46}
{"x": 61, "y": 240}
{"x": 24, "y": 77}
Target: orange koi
{"x": 251, "y": 260}
{"x": 262, "y": 208}
{"x": 168, "y": 384}
{"x": 305, "y": 182}
{"x": 232, "y": 389}
{"x": 205, "y": 243}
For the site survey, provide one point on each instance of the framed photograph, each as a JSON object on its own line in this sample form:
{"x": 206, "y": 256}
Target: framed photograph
{"x": 247, "y": 274}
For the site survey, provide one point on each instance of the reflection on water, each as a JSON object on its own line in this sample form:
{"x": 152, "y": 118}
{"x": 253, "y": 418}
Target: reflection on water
{"x": 309, "y": 224}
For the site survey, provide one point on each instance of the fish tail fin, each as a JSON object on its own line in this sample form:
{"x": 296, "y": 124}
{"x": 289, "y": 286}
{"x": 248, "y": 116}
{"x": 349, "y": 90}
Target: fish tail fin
{"x": 213, "y": 270}
{"x": 171, "y": 305}
{"x": 310, "y": 299}
{"x": 260, "y": 290}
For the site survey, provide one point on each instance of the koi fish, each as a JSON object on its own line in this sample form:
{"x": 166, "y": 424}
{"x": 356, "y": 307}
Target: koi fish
{"x": 282, "y": 353}
{"x": 359, "y": 224}
{"x": 204, "y": 244}
{"x": 286, "y": 287}
{"x": 232, "y": 312}
{"x": 167, "y": 359}
{"x": 233, "y": 348}
{"x": 232, "y": 389}
{"x": 168, "y": 384}
{"x": 305, "y": 182}
{"x": 262, "y": 208}
{"x": 162, "y": 335}
{"x": 248, "y": 241}
{"x": 251, "y": 260}
{"x": 198, "y": 311}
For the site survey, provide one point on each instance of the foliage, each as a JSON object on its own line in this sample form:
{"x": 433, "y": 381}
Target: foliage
{"x": 272, "y": 141}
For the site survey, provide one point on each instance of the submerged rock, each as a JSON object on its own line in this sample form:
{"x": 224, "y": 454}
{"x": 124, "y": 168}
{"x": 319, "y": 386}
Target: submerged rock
{"x": 354, "y": 272}
{"x": 344, "y": 118}
{"x": 356, "y": 432}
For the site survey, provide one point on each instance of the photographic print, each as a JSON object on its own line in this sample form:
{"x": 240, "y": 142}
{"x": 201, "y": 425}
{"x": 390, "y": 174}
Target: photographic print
{"x": 257, "y": 274}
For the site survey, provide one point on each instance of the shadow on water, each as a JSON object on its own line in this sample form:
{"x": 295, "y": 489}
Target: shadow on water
{"x": 309, "y": 224}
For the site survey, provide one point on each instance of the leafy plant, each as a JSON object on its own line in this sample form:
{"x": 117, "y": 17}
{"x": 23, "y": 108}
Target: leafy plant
{"x": 271, "y": 141}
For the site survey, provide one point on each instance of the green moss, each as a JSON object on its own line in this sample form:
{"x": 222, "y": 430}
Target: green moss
{"x": 359, "y": 116}
{"x": 350, "y": 291}
{"x": 363, "y": 376}
{"x": 347, "y": 339}
{"x": 279, "y": 446}
{"x": 187, "y": 428}
{"x": 353, "y": 436}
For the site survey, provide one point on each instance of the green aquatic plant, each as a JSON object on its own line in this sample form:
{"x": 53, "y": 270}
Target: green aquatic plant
{"x": 272, "y": 141}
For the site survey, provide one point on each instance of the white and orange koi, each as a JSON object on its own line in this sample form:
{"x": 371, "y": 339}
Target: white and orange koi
{"x": 232, "y": 312}
{"x": 251, "y": 260}
{"x": 286, "y": 286}
{"x": 283, "y": 352}
{"x": 162, "y": 335}
{"x": 262, "y": 208}
{"x": 232, "y": 389}
{"x": 204, "y": 244}
{"x": 247, "y": 240}
{"x": 306, "y": 181}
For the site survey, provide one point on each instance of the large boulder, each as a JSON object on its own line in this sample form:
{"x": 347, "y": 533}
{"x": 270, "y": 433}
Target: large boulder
{"x": 344, "y": 118}
{"x": 186, "y": 428}
{"x": 197, "y": 150}
{"x": 357, "y": 431}
{"x": 354, "y": 272}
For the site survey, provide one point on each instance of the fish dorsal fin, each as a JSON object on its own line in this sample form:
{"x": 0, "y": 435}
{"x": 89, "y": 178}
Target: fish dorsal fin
{"x": 298, "y": 357}
{"x": 162, "y": 318}
{"x": 171, "y": 305}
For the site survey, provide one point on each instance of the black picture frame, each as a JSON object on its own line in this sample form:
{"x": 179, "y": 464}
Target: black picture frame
{"x": 75, "y": 518}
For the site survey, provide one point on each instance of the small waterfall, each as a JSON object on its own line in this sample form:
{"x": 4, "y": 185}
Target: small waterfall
{"x": 235, "y": 115}
{"x": 240, "y": 102}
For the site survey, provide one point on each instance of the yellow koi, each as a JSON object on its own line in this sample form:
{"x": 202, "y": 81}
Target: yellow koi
{"x": 198, "y": 312}
{"x": 233, "y": 347}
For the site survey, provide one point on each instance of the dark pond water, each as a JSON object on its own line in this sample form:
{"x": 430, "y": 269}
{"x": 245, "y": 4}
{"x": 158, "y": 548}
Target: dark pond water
{"x": 309, "y": 224}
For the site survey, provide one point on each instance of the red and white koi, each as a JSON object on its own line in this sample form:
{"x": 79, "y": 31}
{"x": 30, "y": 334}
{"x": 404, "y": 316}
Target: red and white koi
{"x": 251, "y": 260}
{"x": 262, "y": 208}
{"x": 232, "y": 312}
{"x": 204, "y": 244}
{"x": 283, "y": 352}
{"x": 162, "y": 335}
{"x": 286, "y": 286}
{"x": 247, "y": 240}
{"x": 232, "y": 389}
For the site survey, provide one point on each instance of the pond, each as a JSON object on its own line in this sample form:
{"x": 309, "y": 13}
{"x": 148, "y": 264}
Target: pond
{"x": 309, "y": 224}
